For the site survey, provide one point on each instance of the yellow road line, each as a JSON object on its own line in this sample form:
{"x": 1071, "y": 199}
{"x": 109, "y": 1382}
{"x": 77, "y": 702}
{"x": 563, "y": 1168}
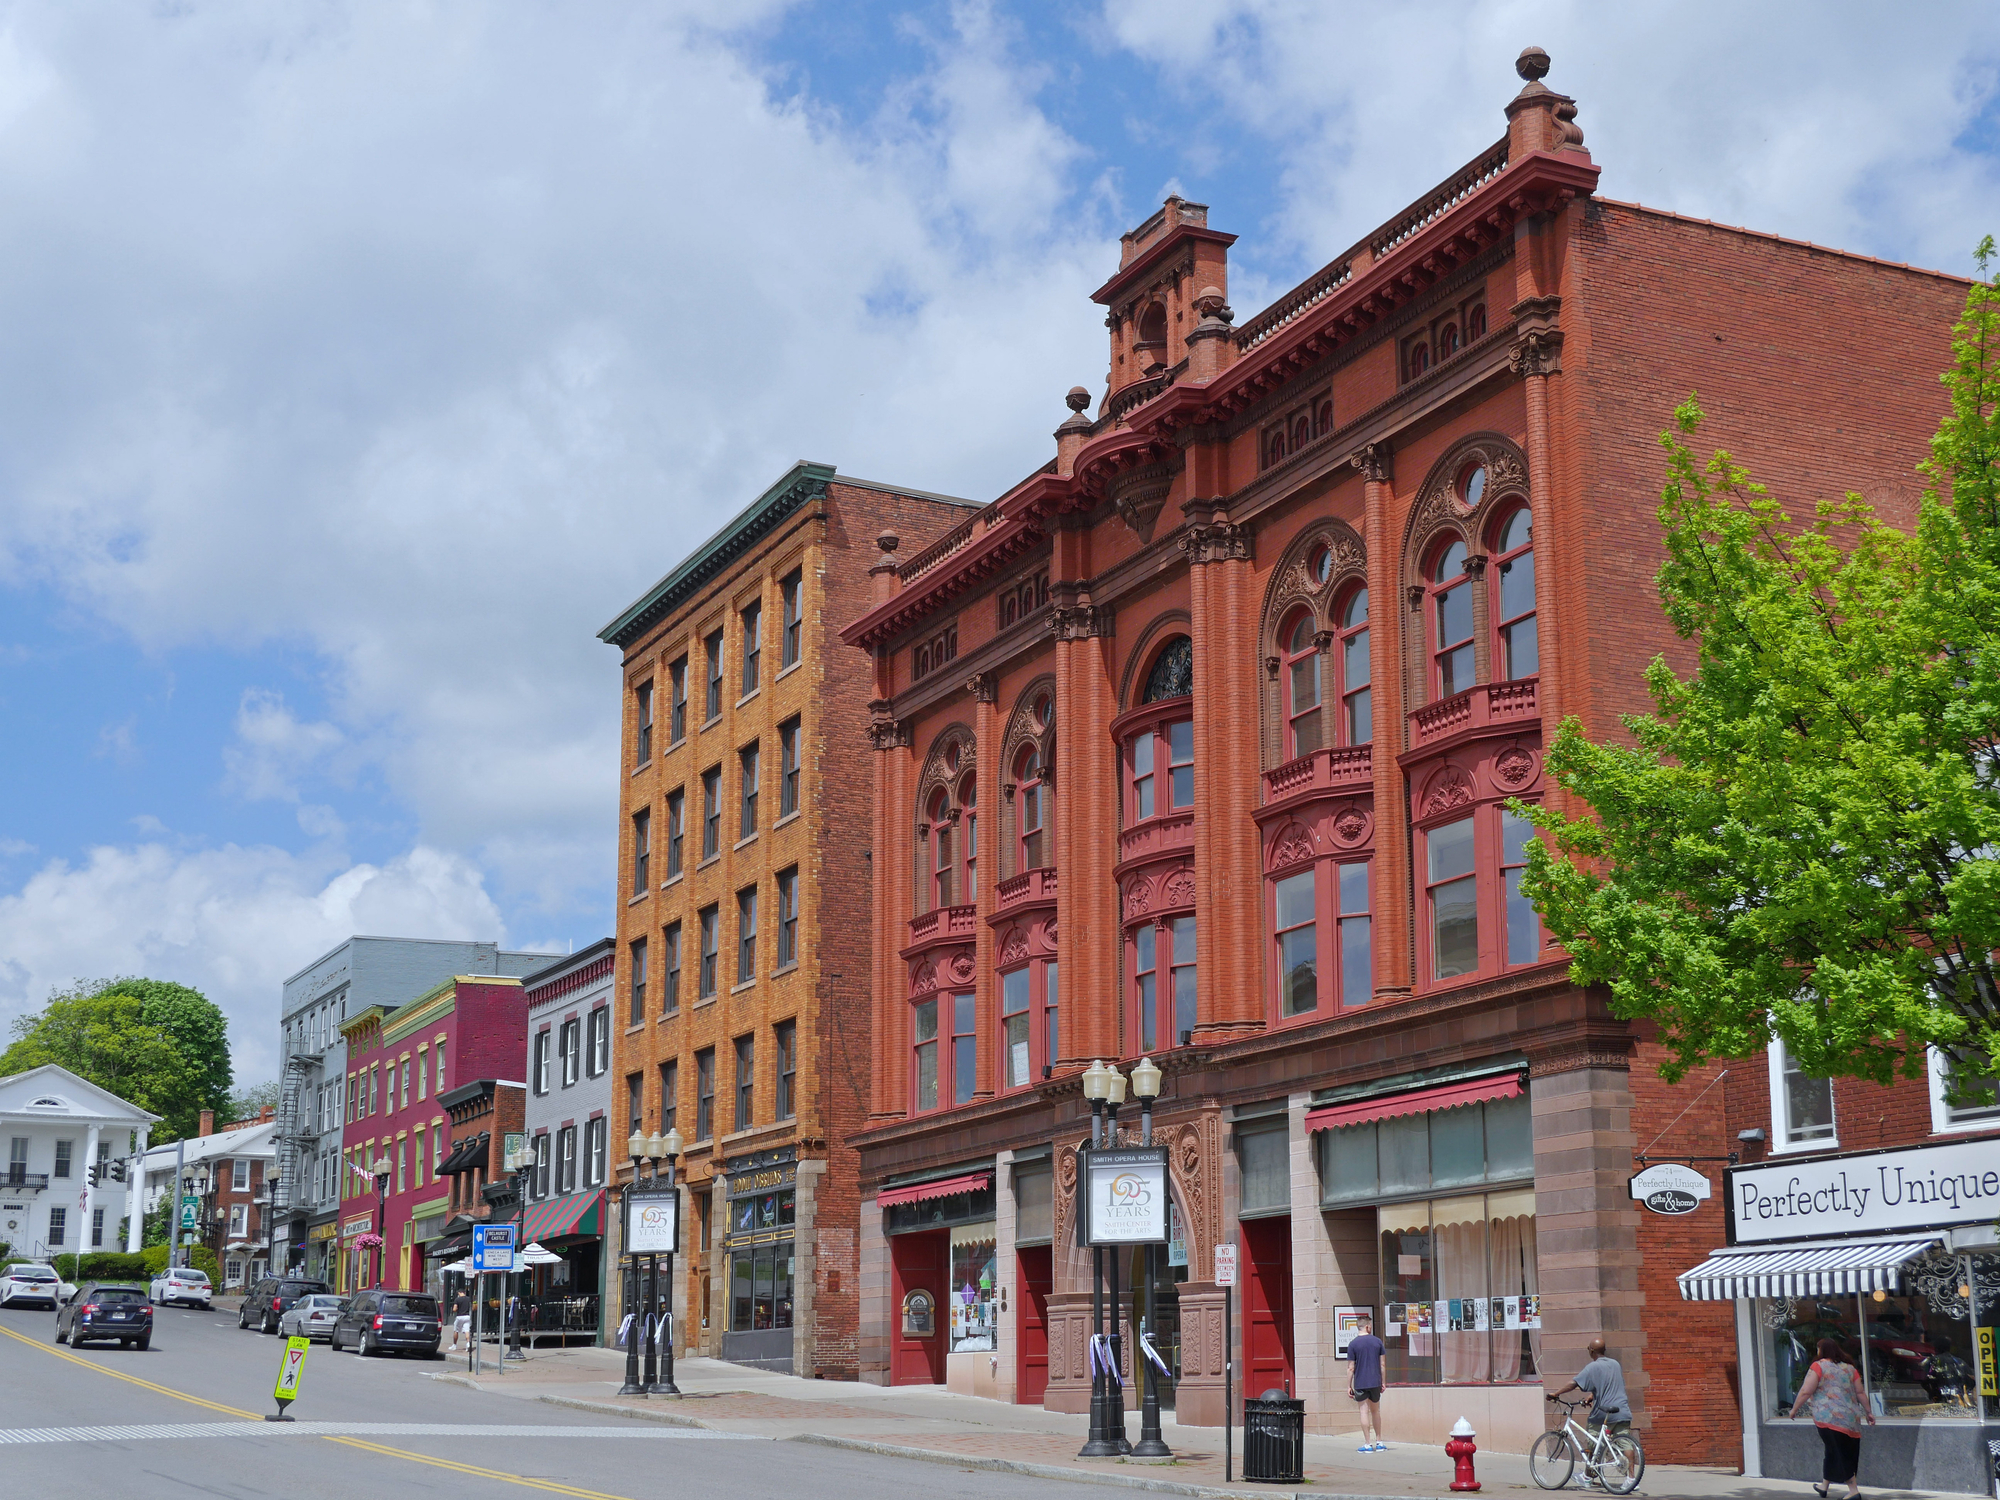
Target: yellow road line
{"x": 164, "y": 1390}
{"x": 250, "y": 1416}
{"x": 478, "y": 1473}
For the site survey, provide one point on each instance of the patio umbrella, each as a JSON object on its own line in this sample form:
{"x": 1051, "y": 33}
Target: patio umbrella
{"x": 535, "y": 1255}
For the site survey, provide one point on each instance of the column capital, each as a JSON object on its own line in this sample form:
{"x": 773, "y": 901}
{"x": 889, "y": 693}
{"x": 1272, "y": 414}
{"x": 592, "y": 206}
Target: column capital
{"x": 1538, "y": 337}
{"x": 1376, "y": 461}
{"x": 1080, "y": 622}
{"x": 984, "y": 687}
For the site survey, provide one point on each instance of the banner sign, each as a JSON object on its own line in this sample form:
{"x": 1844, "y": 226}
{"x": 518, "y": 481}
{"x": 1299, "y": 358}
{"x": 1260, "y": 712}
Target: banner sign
{"x": 652, "y": 1223}
{"x": 1670, "y": 1188}
{"x": 1924, "y": 1187}
{"x": 1126, "y": 1195}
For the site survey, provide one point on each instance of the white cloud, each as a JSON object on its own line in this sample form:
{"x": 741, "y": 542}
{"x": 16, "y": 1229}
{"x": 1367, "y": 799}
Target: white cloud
{"x": 273, "y": 748}
{"x": 233, "y": 922}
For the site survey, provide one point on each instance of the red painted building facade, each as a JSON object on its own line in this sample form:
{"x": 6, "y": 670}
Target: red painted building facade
{"x": 398, "y": 1183}
{"x": 1243, "y": 679}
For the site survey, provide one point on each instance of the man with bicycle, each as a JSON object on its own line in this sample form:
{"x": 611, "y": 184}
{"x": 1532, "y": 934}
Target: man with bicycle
{"x": 1603, "y": 1380}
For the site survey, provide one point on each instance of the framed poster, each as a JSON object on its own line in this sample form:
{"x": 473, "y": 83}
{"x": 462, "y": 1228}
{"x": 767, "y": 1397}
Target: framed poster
{"x": 1125, "y": 1194}
{"x": 1346, "y": 1326}
{"x": 652, "y": 1223}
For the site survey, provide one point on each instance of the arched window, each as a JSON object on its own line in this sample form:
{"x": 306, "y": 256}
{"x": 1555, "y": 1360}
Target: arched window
{"x": 1305, "y": 732}
{"x": 1323, "y": 419}
{"x": 1301, "y": 432}
{"x": 1475, "y": 323}
{"x": 1420, "y": 357}
{"x": 968, "y": 801}
{"x": 1173, "y": 671}
{"x": 1514, "y": 601}
{"x": 1276, "y": 453}
{"x": 1450, "y": 590}
{"x": 941, "y": 862}
{"x": 1447, "y": 341}
{"x": 1029, "y": 810}
{"x": 1357, "y": 721}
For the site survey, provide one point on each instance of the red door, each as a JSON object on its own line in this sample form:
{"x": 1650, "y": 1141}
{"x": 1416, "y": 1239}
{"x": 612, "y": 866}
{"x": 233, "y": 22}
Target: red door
{"x": 1036, "y": 1280}
{"x": 1267, "y": 1305}
{"x": 918, "y": 1260}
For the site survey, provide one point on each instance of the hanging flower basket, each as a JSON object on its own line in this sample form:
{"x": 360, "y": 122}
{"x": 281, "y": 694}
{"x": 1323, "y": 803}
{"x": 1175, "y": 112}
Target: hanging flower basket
{"x": 369, "y": 1241}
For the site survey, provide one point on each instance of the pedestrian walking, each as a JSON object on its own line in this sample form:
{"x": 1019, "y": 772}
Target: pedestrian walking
{"x": 461, "y": 1317}
{"x": 1364, "y": 1384}
{"x": 1832, "y": 1390}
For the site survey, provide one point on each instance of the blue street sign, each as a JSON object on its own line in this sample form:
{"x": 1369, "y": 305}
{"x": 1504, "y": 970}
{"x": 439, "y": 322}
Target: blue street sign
{"x": 492, "y": 1248}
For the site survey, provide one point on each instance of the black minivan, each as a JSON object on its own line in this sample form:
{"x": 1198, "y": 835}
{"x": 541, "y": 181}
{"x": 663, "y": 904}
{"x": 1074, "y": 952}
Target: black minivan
{"x": 266, "y": 1302}
{"x": 388, "y": 1323}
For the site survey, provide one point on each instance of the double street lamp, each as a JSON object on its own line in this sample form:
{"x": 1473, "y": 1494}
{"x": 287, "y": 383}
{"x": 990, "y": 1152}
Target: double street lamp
{"x": 1105, "y": 1087}
{"x": 643, "y": 1286}
{"x": 521, "y": 1162}
{"x": 381, "y": 1172}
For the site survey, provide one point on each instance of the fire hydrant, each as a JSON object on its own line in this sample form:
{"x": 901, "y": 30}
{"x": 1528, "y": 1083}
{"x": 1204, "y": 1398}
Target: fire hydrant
{"x": 1461, "y": 1447}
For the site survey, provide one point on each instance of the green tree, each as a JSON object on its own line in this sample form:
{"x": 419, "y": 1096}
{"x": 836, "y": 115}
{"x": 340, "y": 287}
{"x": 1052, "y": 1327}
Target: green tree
{"x": 1804, "y": 837}
{"x": 244, "y": 1103}
{"x": 198, "y": 1028}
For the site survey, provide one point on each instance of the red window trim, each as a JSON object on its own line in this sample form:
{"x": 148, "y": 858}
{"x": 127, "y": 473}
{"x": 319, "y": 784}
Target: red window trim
{"x": 1163, "y": 968}
{"x": 1498, "y": 560}
{"x": 1325, "y": 864}
{"x": 1037, "y": 969}
{"x": 1434, "y": 590}
{"x": 1490, "y": 887}
{"x": 1343, "y": 691}
{"x": 1148, "y": 718}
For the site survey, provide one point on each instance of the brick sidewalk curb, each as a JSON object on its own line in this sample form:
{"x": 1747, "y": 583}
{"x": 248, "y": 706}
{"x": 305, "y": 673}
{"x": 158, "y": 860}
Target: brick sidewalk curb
{"x": 1084, "y": 1476}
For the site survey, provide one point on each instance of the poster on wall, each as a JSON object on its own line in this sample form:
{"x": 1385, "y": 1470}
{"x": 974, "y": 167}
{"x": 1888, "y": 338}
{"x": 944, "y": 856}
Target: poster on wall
{"x": 1127, "y": 1196}
{"x": 1347, "y": 1325}
{"x": 1392, "y": 1319}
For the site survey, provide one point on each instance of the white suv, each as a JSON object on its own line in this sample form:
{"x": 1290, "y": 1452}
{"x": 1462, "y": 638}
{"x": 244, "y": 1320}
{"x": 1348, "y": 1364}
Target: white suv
{"x": 183, "y": 1284}
{"x": 28, "y": 1285}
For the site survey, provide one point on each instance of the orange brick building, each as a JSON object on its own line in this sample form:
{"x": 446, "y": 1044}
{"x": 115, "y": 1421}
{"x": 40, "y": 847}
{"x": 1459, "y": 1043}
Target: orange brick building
{"x": 1239, "y": 683}
{"x": 742, "y": 1016}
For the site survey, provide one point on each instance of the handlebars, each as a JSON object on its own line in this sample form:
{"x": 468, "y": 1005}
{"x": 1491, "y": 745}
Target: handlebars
{"x": 1568, "y": 1405}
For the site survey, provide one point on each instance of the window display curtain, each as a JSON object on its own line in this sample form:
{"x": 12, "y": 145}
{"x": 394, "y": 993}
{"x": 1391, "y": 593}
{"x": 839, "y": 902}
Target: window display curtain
{"x": 1461, "y": 1274}
{"x": 1514, "y": 1275}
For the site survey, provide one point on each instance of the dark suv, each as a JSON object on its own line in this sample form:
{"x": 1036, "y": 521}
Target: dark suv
{"x": 106, "y": 1311}
{"x": 266, "y": 1302}
{"x": 388, "y": 1322}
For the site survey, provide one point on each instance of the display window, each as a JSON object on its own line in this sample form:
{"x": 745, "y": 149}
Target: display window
{"x": 1461, "y": 1293}
{"x": 974, "y": 1326}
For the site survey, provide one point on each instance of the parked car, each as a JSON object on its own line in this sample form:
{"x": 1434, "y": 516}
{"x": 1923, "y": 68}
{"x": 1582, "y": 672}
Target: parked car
{"x": 182, "y": 1284}
{"x": 266, "y": 1302}
{"x": 388, "y": 1322}
{"x": 312, "y": 1317}
{"x": 101, "y": 1310}
{"x": 28, "y": 1285}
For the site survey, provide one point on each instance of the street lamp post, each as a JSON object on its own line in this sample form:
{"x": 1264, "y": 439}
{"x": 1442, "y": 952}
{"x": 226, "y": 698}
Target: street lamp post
{"x": 519, "y": 1162}
{"x": 1146, "y": 1085}
{"x": 1114, "y": 1410}
{"x": 1100, "y": 1443}
{"x": 668, "y": 1148}
{"x": 637, "y": 1316}
{"x": 380, "y": 1172}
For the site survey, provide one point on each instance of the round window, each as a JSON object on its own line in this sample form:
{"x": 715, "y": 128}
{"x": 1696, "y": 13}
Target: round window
{"x": 1472, "y": 483}
{"x": 1320, "y": 564}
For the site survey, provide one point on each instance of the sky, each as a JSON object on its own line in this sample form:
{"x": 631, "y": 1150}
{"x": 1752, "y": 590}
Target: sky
{"x": 363, "y": 360}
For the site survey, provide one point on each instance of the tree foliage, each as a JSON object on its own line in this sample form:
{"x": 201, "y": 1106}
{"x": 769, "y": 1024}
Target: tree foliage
{"x": 159, "y": 1045}
{"x": 244, "y": 1103}
{"x": 1803, "y": 839}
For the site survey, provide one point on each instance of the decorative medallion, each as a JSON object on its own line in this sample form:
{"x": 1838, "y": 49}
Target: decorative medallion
{"x": 1138, "y": 899}
{"x": 1450, "y": 788}
{"x": 1014, "y": 946}
{"x": 1350, "y": 825}
{"x": 1179, "y": 889}
{"x": 962, "y": 968}
{"x": 1294, "y": 846}
{"x": 1514, "y": 766}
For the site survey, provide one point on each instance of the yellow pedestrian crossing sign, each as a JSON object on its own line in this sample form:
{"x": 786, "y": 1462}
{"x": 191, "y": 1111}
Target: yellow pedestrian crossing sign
{"x": 291, "y": 1369}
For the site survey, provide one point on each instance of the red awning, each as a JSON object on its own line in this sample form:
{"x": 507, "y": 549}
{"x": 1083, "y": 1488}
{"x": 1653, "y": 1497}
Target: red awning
{"x": 944, "y": 1187}
{"x": 1445, "y": 1096}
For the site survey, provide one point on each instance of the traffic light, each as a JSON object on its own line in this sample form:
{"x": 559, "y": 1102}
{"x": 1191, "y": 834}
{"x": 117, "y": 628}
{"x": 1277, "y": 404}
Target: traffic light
{"x": 118, "y": 1171}
{"x": 92, "y": 1174}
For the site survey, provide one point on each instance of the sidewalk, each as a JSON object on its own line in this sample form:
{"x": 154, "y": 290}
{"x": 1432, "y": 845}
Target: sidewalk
{"x": 928, "y": 1422}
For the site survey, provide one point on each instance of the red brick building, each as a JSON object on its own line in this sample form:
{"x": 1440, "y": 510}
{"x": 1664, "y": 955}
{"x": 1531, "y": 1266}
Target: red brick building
{"x": 1242, "y": 680}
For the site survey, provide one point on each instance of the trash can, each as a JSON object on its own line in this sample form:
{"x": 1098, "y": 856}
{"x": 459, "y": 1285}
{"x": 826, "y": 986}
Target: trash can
{"x": 1274, "y": 1439}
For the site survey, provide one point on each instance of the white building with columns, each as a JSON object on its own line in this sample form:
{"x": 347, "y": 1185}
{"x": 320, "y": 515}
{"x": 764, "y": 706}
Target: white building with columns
{"x": 56, "y": 1125}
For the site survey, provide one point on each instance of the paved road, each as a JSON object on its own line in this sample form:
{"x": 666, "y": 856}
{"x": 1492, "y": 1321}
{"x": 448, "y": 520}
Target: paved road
{"x": 104, "y": 1423}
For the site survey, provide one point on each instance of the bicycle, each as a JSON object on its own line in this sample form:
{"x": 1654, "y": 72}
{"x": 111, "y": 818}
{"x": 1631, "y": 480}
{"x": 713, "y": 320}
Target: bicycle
{"x": 1615, "y": 1462}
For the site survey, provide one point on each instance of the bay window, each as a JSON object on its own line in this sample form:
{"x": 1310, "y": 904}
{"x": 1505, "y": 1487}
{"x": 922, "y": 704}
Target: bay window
{"x": 1305, "y": 733}
{"x": 1297, "y": 901}
{"x": 1027, "y": 1049}
{"x": 1029, "y": 810}
{"x": 1451, "y": 885}
{"x": 1162, "y": 769}
{"x": 1477, "y": 918}
{"x": 945, "y": 1050}
{"x": 1163, "y": 969}
{"x": 1450, "y": 591}
{"x": 1357, "y": 719}
{"x": 1518, "y": 653}
{"x": 1328, "y": 901}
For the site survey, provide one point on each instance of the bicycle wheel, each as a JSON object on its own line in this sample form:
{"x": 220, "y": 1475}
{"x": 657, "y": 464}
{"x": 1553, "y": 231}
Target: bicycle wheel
{"x": 1552, "y": 1460}
{"x": 1622, "y": 1463}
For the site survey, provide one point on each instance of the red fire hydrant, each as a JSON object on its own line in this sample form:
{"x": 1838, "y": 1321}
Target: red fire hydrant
{"x": 1461, "y": 1447}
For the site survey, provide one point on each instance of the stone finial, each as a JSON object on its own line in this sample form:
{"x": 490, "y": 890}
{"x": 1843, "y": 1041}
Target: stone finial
{"x": 1532, "y": 64}
{"x": 1210, "y": 304}
{"x": 888, "y": 541}
{"x": 1077, "y": 399}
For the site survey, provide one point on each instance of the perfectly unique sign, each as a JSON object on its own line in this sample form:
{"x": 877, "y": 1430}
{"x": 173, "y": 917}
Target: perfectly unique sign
{"x": 1924, "y": 1187}
{"x": 1225, "y": 1265}
{"x": 492, "y": 1248}
{"x": 1125, "y": 1194}
{"x": 1670, "y": 1188}
{"x": 652, "y": 1223}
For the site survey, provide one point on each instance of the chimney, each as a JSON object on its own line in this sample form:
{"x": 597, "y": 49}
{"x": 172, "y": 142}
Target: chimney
{"x": 208, "y": 1122}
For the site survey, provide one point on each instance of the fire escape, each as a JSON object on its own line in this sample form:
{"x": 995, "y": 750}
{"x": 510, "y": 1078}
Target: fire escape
{"x": 297, "y": 1136}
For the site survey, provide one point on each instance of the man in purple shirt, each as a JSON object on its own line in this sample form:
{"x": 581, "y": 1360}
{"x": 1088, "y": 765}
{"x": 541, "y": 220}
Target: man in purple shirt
{"x": 1364, "y": 1383}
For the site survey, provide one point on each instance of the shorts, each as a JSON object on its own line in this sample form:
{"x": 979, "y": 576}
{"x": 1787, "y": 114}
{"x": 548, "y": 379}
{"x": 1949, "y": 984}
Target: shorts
{"x": 462, "y": 1323}
{"x": 1618, "y": 1428}
{"x": 1366, "y": 1393}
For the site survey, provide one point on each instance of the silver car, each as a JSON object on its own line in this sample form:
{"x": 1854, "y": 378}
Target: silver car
{"x": 183, "y": 1284}
{"x": 312, "y": 1317}
{"x": 27, "y": 1285}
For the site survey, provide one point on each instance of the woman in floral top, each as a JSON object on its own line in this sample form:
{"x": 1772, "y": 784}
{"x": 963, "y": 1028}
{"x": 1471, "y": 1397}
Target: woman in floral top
{"x": 1833, "y": 1386}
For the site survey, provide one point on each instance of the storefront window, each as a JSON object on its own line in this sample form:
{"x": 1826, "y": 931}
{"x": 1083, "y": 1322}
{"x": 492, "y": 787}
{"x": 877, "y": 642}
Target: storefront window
{"x": 1034, "y": 1190}
{"x": 1490, "y": 1142}
{"x": 973, "y": 1326}
{"x": 760, "y": 1289}
{"x": 1461, "y": 1294}
{"x": 1265, "y": 1158}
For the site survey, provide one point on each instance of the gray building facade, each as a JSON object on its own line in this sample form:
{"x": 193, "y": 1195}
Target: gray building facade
{"x": 362, "y": 971}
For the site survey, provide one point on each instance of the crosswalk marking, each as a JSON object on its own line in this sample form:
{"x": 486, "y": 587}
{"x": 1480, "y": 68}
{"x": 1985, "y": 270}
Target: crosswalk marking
{"x": 143, "y": 1432}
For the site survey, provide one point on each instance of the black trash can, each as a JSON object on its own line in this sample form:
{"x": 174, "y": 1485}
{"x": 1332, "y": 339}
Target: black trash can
{"x": 1274, "y": 1439}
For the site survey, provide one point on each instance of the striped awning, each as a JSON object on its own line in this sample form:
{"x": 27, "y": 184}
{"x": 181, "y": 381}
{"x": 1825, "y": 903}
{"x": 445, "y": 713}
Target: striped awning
{"x": 1821, "y": 1268}
{"x": 941, "y": 1187}
{"x": 1422, "y": 1101}
{"x": 558, "y": 1217}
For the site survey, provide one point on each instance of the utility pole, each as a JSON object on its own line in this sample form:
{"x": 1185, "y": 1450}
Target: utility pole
{"x": 180, "y": 1162}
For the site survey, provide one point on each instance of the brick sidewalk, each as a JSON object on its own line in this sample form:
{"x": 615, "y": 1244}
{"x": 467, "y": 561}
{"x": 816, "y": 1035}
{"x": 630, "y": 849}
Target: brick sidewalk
{"x": 928, "y": 1422}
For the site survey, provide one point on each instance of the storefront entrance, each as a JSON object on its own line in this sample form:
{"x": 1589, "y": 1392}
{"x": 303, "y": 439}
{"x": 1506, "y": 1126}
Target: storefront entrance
{"x": 1267, "y": 1305}
{"x": 762, "y": 1257}
{"x": 921, "y": 1299}
{"x": 1036, "y": 1279}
